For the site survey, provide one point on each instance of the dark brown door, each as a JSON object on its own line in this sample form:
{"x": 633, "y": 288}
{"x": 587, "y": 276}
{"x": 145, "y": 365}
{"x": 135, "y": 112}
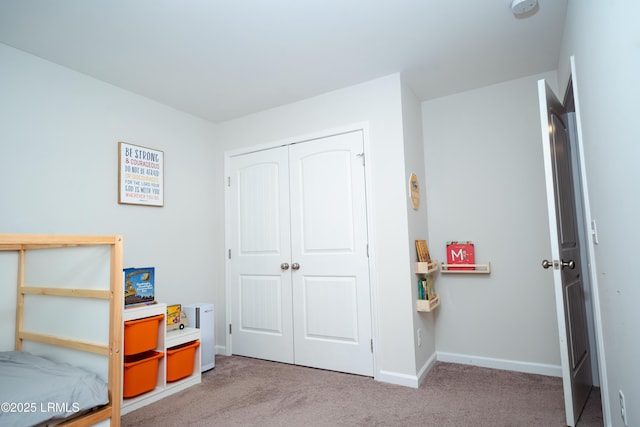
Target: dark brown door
{"x": 565, "y": 254}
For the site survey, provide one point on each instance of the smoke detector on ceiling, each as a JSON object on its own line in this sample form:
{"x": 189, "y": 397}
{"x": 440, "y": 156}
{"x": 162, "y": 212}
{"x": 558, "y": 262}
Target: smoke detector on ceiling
{"x": 520, "y": 7}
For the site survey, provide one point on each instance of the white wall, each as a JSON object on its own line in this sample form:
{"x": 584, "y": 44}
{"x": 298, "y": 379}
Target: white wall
{"x": 604, "y": 37}
{"x": 485, "y": 183}
{"x": 378, "y": 103}
{"x": 59, "y": 133}
{"x": 423, "y": 323}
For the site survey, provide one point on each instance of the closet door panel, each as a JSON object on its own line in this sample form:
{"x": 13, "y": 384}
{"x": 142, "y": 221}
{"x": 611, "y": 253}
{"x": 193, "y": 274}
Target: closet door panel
{"x": 260, "y": 242}
{"x": 331, "y": 303}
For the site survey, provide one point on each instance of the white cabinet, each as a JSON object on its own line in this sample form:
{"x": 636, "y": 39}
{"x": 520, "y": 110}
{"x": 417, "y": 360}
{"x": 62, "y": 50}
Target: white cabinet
{"x": 166, "y": 340}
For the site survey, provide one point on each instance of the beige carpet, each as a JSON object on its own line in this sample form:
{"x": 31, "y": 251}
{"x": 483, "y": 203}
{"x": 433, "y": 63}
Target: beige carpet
{"x": 248, "y": 392}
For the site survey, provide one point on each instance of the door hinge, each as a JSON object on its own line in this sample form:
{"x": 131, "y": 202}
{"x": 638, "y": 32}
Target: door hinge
{"x": 229, "y": 328}
{"x": 371, "y": 345}
{"x": 228, "y": 181}
{"x": 229, "y": 253}
{"x": 361, "y": 155}
{"x": 367, "y": 250}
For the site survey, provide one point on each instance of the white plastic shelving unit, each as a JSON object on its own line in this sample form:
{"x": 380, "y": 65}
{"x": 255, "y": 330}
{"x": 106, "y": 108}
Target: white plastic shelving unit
{"x": 166, "y": 340}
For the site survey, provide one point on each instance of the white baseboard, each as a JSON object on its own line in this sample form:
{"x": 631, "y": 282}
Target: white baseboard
{"x": 412, "y": 381}
{"x": 222, "y": 349}
{"x": 398, "y": 379}
{"x": 430, "y": 363}
{"x": 506, "y": 365}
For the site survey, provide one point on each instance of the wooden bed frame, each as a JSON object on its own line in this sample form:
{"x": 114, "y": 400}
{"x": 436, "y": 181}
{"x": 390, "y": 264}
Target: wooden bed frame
{"x": 24, "y": 242}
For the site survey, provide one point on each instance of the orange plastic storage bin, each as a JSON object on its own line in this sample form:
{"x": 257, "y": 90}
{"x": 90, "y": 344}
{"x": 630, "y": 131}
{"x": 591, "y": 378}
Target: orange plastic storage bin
{"x": 180, "y": 360}
{"x": 141, "y": 335}
{"x": 140, "y": 373}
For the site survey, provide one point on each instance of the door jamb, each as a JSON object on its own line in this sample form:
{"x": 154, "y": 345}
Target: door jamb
{"x": 590, "y": 249}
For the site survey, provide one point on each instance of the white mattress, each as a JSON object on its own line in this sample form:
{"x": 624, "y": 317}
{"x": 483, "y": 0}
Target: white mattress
{"x": 34, "y": 389}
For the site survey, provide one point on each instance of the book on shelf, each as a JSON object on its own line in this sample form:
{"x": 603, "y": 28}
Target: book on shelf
{"x": 139, "y": 286}
{"x": 426, "y": 288}
{"x": 431, "y": 289}
{"x": 421, "y": 289}
{"x": 460, "y": 252}
{"x": 423, "y": 251}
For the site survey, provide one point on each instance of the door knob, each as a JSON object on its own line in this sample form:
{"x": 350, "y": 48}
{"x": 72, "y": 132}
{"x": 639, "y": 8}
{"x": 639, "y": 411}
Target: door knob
{"x": 571, "y": 264}
{"x": 295, "y": 266}
{"x": 284, "y": 266}
{"x": 546, "y": 264}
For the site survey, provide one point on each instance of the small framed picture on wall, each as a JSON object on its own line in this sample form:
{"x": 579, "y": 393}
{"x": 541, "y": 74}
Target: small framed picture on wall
{"x": 140, "y": 175}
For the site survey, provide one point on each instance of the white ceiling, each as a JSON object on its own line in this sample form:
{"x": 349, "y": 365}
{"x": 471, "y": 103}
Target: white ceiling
{"x": 222, "y": 59}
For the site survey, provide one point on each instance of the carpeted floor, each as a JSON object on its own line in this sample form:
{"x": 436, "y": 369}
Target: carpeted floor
{"x": 249, "y": 392}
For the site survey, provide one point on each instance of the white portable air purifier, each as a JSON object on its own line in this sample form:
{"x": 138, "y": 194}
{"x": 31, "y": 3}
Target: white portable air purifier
{"x": 202, "y": 316}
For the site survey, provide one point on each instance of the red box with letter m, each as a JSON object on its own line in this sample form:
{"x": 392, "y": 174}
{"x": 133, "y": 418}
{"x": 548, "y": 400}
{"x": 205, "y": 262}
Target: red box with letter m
{"x": 460, "y": 252}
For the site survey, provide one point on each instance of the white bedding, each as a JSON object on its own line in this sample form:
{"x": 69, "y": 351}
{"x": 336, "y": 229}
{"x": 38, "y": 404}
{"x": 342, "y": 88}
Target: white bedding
{"x": 34, "y": 389}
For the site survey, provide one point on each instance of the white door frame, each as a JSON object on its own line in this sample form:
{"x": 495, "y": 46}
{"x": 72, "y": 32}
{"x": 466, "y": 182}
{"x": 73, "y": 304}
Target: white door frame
{"x": 590, "y": 246}
{"x": 369, "y": 193}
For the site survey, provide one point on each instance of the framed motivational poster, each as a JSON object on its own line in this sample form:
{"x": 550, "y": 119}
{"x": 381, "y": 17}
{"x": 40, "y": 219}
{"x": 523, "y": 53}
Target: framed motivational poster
{"x": 140, "y": 175}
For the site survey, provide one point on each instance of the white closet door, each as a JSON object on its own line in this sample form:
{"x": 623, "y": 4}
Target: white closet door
{"x": 331, "y": 294}
{"x": 299, "y": 267}
{"x": 260, "y": 243}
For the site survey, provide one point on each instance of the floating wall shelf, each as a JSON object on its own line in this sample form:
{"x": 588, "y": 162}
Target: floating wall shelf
{"x": 454, "y": 268}
{"x": 427, "y": 304}
{"x": 424, "y": 269}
